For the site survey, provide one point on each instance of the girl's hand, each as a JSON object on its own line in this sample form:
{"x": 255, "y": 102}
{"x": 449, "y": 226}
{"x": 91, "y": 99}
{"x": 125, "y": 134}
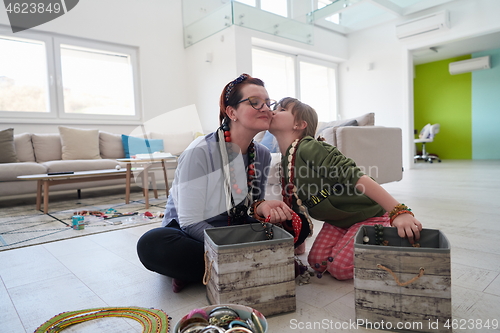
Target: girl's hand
{"x": 408, "y": 226}
{"x": 277, "y": 210}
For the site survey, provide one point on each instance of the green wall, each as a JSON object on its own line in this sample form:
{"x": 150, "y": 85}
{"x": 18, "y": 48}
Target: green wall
{"x": 445, "y": 99}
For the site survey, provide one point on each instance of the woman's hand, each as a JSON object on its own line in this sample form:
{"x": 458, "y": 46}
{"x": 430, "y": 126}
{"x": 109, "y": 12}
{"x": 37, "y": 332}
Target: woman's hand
{"x": 277, "y": 210}
{"x": 408, "y": 226}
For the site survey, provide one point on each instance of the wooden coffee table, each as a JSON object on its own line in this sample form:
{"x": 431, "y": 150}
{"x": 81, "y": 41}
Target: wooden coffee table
{"x": 146, "y": 165}
{"x": 44, "y": 181}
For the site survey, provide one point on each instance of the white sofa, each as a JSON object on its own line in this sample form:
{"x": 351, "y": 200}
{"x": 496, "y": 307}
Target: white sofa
{"x": 71, "y": 149}
{"x": 377, "y": 150}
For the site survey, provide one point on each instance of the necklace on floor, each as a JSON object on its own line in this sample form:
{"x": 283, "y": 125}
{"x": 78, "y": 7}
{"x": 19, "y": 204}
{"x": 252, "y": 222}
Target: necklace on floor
{"x": 289, "y": 190}
{"x": 236, "y": 213}
{"x": 152, "y": 320}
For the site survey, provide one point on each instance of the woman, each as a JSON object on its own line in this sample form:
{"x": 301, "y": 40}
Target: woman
{"x": 218, "y": 178}
{"x": 334, "y": 190}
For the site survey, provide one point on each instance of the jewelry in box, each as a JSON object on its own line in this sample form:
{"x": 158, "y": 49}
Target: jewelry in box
{"x": 222, "y": 319}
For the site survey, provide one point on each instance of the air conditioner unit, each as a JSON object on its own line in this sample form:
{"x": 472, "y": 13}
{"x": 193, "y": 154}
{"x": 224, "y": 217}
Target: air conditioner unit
{"x": 423, "y": 25}
{"x": 469, "y": 65}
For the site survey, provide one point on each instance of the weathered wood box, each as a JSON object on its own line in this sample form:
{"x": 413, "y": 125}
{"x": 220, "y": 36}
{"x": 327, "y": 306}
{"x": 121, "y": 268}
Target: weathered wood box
{"x": 403, "y": 288}
{"x": 244, "y": 267}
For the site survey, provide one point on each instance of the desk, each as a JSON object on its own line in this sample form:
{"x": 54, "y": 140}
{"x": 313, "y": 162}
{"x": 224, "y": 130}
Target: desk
{"x": 146, "y": 165}
{"x": 44, "y": 181}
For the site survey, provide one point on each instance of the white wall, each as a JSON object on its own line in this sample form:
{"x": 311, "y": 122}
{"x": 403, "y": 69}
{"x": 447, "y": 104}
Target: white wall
{"x": 387, "y": 89}
{"x": 155, "y": 26}
{"x": 207, "y": 79}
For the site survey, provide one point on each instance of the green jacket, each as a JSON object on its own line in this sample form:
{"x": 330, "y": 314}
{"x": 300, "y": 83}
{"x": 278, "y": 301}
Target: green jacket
{"x": 321, "y": 166}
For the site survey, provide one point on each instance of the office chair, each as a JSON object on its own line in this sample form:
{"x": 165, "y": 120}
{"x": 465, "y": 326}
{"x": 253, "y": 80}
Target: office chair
{"x": 426, "y": 135}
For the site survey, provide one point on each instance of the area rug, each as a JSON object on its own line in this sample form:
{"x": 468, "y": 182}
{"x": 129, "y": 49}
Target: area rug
{"x": 22, "y": 225}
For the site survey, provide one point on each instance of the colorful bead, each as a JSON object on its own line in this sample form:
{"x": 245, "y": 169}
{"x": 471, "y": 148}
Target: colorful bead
{"x": 250, "y": 171}
{"x": 379, "y": 235}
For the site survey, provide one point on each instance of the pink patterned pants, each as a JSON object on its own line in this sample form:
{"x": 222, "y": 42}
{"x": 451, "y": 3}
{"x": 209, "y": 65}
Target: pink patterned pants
{"x": 338, "y": 243}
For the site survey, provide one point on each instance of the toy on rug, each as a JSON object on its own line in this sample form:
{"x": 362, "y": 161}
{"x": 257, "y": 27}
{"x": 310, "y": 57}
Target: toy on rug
{"x": 113, "y": 213}
{"x": 152, "y": 320}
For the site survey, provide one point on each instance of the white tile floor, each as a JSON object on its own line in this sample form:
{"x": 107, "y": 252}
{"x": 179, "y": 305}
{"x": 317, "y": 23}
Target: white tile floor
{"x": 462, "y": 198}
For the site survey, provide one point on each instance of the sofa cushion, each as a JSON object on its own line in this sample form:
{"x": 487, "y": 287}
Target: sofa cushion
{"x": 174, "y": 143}
{"x": 330, "y": 133}
{"x": 79, "y": 144}
{"x": 7, "y": 146}
{"x": 79, "y": 165}
{"x": 10, "y": 171}
{"x": 367, "y": 119}
{"x": 111, "y": 145}
{"x": 47, "y": 147}
{"x": 270, "y": 142}
{"x": 24, "y": 147}
{"x": 133, "y": 145}
{"x": 259, "y": 136}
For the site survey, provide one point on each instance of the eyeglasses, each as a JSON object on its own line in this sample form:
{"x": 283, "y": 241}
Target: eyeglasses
{"x": 258, "y": 103}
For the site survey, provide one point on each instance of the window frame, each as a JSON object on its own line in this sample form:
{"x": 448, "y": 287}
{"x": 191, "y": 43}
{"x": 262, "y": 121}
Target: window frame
{"x": 297, "y": 59}
{"x": 56, "y": 113}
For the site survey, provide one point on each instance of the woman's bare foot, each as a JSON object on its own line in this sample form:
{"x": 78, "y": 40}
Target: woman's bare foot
{"x": 178, "y": 285}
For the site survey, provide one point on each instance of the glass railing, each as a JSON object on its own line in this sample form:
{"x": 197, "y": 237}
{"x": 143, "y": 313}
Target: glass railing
{"x": 260, "y": 20}
{"x": 202, "y": 21}
{"x": 215, "y": 21}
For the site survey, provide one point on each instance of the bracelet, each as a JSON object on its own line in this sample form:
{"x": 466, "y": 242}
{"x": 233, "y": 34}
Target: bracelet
{"x": 253, "y": 211}
{"x": 397, "y": 208}
{"x": 405, "y": 211}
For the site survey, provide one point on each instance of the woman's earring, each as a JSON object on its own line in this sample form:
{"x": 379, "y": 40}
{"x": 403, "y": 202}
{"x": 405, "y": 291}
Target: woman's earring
{"x": 234, "y": 119}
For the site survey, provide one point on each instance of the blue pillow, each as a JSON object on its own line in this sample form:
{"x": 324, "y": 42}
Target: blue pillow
{"x": 133, "y": 146}
{"x": 270, "y": 142}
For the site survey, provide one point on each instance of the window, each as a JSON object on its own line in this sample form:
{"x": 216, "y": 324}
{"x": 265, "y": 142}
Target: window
{"x": 51, "y": 76}
{"x": 313, "y": 81}
{"x": 96, "y": 82}
{"x": 317, "y": 88}
{"x": 23, "y": 76}
{"x": 335, "y": 18}
{"x": 279, "y": 7}
{"x": 277, "y": 70}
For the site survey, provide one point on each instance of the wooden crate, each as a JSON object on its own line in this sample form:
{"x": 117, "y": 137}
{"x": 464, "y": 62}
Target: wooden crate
{"x": 246, "y": 268}
{"x": 423, "y": 305}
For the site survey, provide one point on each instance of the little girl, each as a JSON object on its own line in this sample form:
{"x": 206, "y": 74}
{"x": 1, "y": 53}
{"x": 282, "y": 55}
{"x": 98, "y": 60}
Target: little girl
{"x": 318, "y": 176}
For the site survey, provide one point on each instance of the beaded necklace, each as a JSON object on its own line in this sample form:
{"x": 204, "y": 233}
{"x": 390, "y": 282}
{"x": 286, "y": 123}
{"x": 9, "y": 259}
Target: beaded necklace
{"x": 152, "y": 320}
{"x": 289, "y": 190}
{"x": 237, "y": 212}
